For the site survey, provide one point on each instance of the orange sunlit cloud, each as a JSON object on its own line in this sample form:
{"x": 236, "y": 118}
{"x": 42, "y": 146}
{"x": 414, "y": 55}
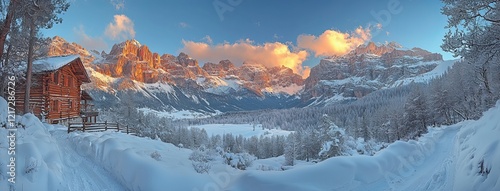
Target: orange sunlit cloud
{"x": 333, "y": 43}
{"x": 330, "y": 43}
{"x": 121, "y": 28}
{"x": 268, "y": 54}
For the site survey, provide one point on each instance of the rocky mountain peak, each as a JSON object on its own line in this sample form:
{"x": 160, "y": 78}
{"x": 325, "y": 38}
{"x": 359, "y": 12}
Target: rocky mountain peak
{"x": 185, "y": 60}
{"x": 125, "y": 48}
{"x": 367, "y": 68}
{"x": 372, "y": 48}
{"x": 133, "y": 61}
{"x": 221, "y": 69}
{"x": 226, "y": 65}
{"x": 58, "y": 46}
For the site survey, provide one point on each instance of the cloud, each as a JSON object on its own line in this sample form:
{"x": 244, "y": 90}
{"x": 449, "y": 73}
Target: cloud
{"x": 306, "y": 72}
{"x": 379, "y": 26}
{"x": 121, "y": 28}
{"x": 208, "y": 39}
{"x": 118, "y": 4}
{"x": 88, "y": 42}
{"x": 267, "y": 54}
{"x": 183, "y": 25}
{"x": 333, "y": 43}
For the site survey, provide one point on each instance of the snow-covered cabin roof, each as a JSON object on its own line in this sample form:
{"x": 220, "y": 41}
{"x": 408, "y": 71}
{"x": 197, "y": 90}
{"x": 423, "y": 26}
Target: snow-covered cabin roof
{"x": 50, "y": 64}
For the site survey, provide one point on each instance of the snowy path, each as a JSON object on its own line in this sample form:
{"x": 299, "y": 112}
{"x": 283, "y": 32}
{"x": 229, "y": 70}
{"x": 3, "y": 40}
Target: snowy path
{"x": 81, "y": 173}
{"x": 436, "y": 171}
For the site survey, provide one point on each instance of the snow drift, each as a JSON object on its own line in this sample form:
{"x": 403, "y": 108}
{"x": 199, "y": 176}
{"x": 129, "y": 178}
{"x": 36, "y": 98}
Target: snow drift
{"x": 37, "y": 157}
{"x": 478, "y": 153}
{"x": 139, "y": 163}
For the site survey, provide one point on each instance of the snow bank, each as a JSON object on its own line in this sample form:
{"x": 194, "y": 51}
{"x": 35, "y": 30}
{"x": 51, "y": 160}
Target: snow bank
{"x": 478, "y": 153}
{"x": 139, "y": 163}
{"x": 37, "y": 157}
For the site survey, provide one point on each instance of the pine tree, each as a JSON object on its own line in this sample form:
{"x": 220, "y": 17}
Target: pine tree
{"x": 291, "y": 149}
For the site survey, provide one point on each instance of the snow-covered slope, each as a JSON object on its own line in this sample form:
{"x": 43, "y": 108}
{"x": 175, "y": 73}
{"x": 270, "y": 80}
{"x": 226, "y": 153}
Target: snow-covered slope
{"x": 438, "y": 71}
{"x": 465, "y": 156}
{"x": 29, "y": 156}
{"x": 138, "y": 163}
{"x": 369, "y": 68}
{"x": 477, "y": 154}
{"x": 44, "y": 161}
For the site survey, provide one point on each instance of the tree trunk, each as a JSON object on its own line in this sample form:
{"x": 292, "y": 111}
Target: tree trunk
{"x": 3, "y": 82}
{"x": 6, "y": 25}
{"x": 29, "y": 68}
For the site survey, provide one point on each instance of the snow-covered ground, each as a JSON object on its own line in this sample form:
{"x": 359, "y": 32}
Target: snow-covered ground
{"x": 464, "y": 156}
{"x": 175, "y": 114}
{"x": 438, "y": 71}
{"x": 246, "y": 130}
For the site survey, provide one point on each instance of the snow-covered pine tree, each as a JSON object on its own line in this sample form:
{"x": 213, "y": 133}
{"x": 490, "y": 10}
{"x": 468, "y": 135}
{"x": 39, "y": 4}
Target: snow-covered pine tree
{"x": 291, "y": 149}
{"x": 334, "y": 141}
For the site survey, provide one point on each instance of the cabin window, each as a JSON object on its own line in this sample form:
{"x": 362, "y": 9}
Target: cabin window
{"x": 56, "y": 78}
{"x": 75, "y": 105}
{"x": 71, "y": 82}
{"x": 66, "y": 81}
{"x": 61, "y": 79}
{"x": 72, "y": 105}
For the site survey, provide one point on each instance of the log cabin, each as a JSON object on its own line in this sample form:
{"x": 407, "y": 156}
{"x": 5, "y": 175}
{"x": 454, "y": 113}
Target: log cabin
{"x": 55, "y": 92}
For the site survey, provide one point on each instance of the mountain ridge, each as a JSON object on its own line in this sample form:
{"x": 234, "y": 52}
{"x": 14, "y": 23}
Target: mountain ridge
{"x": 131, "y": 67}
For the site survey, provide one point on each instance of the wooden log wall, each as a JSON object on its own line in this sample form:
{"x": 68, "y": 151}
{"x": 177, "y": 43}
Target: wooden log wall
{"x": 57, "y": 93}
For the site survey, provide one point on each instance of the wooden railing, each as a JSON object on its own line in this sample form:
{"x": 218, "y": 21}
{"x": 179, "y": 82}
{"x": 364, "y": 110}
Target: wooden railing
{"x": 97, "y": 127}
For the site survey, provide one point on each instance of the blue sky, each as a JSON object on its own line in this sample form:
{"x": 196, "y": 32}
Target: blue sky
{"x": 245, "y": 25}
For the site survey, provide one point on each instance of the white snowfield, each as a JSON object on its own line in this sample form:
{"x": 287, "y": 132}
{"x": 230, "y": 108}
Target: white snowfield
{"x": 465, "y": 156}
{"x": 245, "y": 130}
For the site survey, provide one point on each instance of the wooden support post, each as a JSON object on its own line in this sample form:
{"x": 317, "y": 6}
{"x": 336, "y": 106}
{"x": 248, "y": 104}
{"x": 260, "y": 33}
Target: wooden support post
{"x": 69, "y": 127}
{"x": 127, "y": 129}
{"x": 106, "y": 125}
{"x": 83, "y": 127}
{"x": 117, "y": 127}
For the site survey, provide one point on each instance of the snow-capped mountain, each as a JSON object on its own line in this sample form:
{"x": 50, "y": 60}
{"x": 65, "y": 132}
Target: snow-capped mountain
{"x": 178, "y": 82}
{"x": 163, "y": 82}
{"x": 369, "y": 68}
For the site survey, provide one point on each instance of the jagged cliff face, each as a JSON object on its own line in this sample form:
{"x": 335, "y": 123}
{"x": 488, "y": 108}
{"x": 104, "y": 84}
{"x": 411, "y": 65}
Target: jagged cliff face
{"x": 134, "y": 61}
{"x": 58, "y": 46}
{"x": 179, "y": 81}
{"x": 366, "y": 69}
